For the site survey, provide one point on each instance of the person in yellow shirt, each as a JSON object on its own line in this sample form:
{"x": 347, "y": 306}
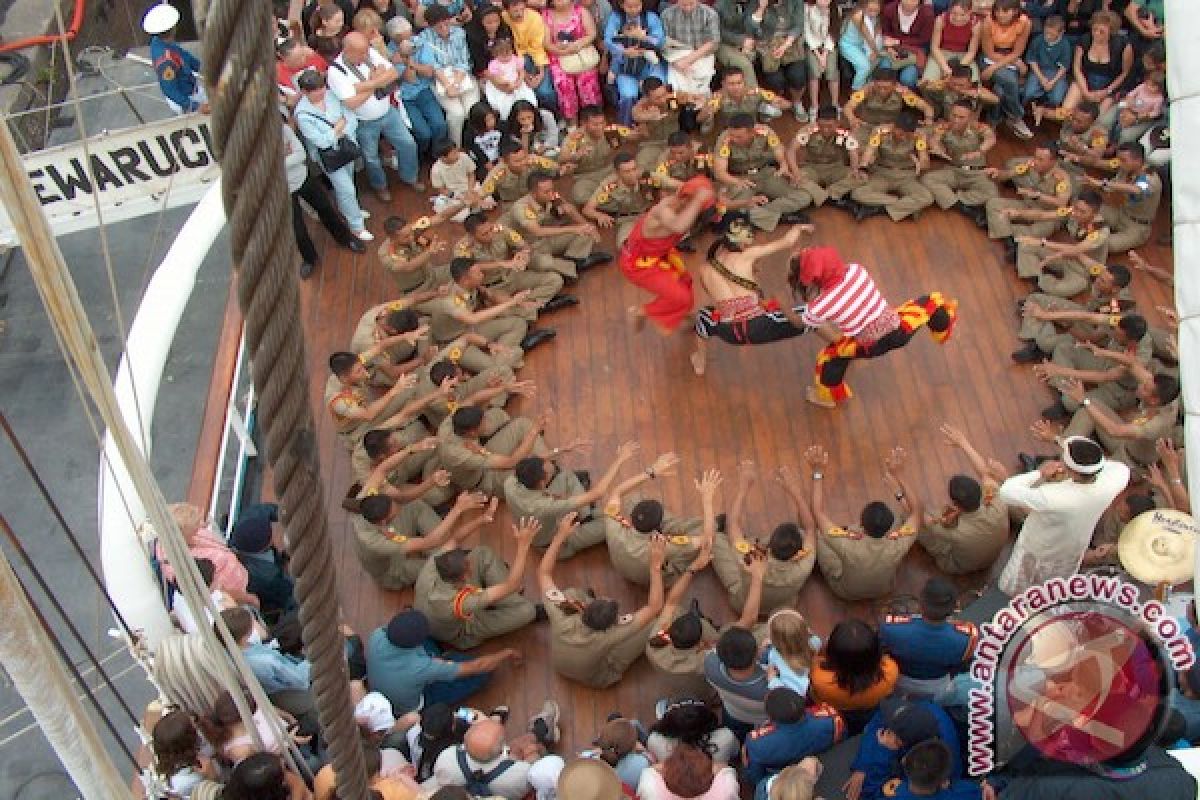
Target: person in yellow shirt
{"x": 529, "y": 36}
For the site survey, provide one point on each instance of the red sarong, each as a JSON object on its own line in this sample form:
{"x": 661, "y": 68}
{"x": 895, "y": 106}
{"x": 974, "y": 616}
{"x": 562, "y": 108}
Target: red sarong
{"x": 657, "y": 266}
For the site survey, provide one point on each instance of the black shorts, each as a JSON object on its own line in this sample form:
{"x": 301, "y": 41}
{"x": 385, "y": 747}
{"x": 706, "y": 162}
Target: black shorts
{"x": 770, "y": 326}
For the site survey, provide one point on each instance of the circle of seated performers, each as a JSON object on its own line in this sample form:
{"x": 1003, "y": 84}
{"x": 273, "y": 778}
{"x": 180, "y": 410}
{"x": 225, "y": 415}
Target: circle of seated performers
{"x": 562, "y": 135}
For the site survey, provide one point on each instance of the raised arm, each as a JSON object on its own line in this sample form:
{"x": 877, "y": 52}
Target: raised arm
{"x": 444, "y": 531}
{"x": 895, "y": 468}
{"x": 758, "y": 572}
{"x": 663, "y": 465}
{"x": 790, "y": 481}
{"x": 818, "y": 460}
{"x": 654, "y": 601}
{"x": 545, "y": 572}
{"x": 524, "y": 533}
{"x": 707, "y": 485}
{"x": 747, "y": 475}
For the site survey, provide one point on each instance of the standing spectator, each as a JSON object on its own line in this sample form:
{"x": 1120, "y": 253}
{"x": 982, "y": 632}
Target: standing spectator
{"x": 361, "y": 78}
{"x": 822, "y": 25}
{"x": 262, "y": 777}
{"x": 635, "y": 39}
{"x": 1003, "y": 41}
{"x": 571, "y": 43}
{"x": 693, "y": 32}
{"x": 229, "y": 575}
{"x": 323, "y": 122}
{"x": 443, "y": 53}
{"x": 178, "y": 70}
{"x": 907, "y": 32}
{"x": 778, "y": 30}
{"x": 486, "y": 28}
{"x": 529, "y": 38}
{"x": 425, "y": 115}
{"x": 955, "y": 40}
{"x": 293, "y": 58}
{"x": 269, "y": 579}
{"x": 852, "y": 673}
{"x": 1103, "y": 60}
{"x": 861, "y": 42}
{"x": 688, "y": 774}
{"x": 327, "y": 35}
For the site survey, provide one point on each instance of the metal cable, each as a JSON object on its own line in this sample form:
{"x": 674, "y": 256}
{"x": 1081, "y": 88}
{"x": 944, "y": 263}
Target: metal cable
{"x": 239, "y": 71}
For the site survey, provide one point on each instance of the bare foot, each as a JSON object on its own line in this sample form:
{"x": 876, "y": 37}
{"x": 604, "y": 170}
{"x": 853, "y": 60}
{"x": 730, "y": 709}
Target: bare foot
{"x": 637, "y": 318}
{"x": 811, "y": 395}
{"x": 699, "y": 362}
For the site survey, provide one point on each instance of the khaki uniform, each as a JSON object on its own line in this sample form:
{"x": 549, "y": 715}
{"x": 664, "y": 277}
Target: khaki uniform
{"x": 756, "y": 162}
{"x": 972, "y": 542}
{"x": 680, "y": 170}
{"x": 366, "y": 335}
{"x": 508, "y": 186}
{"x": 876, "y": 110}
{"x": 653, "y": 145}
{"x": 629, "y": 548}
{"x": 965, "y": 181}
{"x": 1046, "y": 335}
{"x": 538, "y": 278}
{"x": 1130, "y": 218}
{"x": 361, "y": 465}
{"x": 593, "y": 158}
{"x": 594, "y": 658}
{"x": 446, "y": 327}
{"x": 436, "y": 412}
{"x": 342, "y": 401}
{"x": 826, "y": 170}
{"x": 623, "y": 203}
{"x": 1085, "y": 143}
{"x": 457, "y": 616}
{"x": 862, "y": 568}
{"x": 892, "y": 179}
{"x": 683, "y": 670}
{"x": 1076, "y": 277}
{"x": 466, "y": 459}
{"x": 781, "y": 584}
{"x": 1138, "y": 451}
{"x": 1055, "y": 182}
{"x": 381, "y": 548}
{"x": 725, "y": 107}
{"x": 1119, "y": 394}
{"x": 550, "y": 505}
{"x": 558, "y": 251}
{"x": 943, "y": 98}
{"x": 396, "y": 257}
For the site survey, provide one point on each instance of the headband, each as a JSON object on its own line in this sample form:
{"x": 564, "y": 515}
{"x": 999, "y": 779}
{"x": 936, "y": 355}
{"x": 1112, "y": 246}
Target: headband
{"x": 1082, "y": 469}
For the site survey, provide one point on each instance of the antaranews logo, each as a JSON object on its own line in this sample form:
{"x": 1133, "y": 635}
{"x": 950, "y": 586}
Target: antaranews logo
{"x": 1079, "y": 668}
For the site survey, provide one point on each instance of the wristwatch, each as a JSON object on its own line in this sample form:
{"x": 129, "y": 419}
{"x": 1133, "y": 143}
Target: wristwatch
{"x": 816, "y": 476}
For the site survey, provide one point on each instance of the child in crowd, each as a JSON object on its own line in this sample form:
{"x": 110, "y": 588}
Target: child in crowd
{"x": 482, "y": 137}
{"x": 790, "y": 652}
{"x": 536, "y": 129}
{"x": 453, "y": 177}
{"x": 1049, "y": 58}
{"x": 505, "y": 79}
{"x": 927, "y": 769}
{"x": 1139, "y": 110}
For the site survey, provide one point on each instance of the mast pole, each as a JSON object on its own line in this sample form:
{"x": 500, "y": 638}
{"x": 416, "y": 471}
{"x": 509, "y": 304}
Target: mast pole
{"x": 42, "y": 681}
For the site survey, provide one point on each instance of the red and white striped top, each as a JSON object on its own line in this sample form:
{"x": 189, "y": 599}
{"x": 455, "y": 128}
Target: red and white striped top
{"x": 852, "y": 305}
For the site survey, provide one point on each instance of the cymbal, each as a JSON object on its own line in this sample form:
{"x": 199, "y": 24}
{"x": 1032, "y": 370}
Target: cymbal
{"x": 1159, "y": 547}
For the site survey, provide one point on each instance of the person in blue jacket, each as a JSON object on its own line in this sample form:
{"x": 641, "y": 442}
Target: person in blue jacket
{"x": 927, "y": 776}
{"x": 896, "y": 728}
{"x": 178, "y": 70}
{"x": 930, "y": 648}
{"x": 793, "y": 733}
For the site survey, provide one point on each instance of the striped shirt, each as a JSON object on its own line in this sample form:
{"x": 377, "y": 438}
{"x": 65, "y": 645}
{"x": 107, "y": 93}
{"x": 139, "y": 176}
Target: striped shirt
{"x": 852, "y": 305}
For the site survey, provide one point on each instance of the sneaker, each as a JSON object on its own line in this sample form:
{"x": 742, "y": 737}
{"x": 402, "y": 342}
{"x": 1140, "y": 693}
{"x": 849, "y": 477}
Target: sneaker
{"x": 800, "y": 113}
{"x": 365, "y": 214}
{"x": 1020, "y": 128}
{"x": 365, "y": 235}
{"x": 545, "y": 724}
{"x": 769, "y": 111}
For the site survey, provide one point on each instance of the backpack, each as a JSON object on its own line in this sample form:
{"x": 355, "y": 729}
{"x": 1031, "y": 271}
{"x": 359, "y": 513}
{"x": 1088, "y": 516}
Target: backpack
{"x": 479, "y": 782}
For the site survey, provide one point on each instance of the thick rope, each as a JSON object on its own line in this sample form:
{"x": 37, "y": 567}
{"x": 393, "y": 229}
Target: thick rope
{"x": 238, "y": 67}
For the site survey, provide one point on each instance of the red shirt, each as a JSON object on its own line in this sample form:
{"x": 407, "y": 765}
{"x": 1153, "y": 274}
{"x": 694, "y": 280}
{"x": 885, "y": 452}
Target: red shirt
{"x": 918, "y": 36}
{"x": 286, "y": 77}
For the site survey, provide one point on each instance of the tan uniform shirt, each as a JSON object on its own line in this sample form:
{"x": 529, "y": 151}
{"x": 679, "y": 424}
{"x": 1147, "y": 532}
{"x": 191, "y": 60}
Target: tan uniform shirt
{"x": 971, "y": 542}
{"x": 862, "y": 568}
{"x": 629, "y": 549}
{"x": 821, "y": 150}
{"x": 749, "y": 158}
{"x": 508, "y": 186}
{"x": 895, "y": 154}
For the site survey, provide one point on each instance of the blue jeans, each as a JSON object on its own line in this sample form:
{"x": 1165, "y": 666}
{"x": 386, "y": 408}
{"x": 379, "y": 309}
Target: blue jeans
{"x": 629, "y": 88}
{"x": 452, "y": 693}
{"x": 908, "y": 76}
{"x": 1006, "y": 83}
{"x": 346, "y": 196}
{"x": 547, "y": 95}
{"x": 391, "y": 127}
{"x": 427, "y": 118}
{"x": 1034, "y": 91}
{"x": 854, "y": 50}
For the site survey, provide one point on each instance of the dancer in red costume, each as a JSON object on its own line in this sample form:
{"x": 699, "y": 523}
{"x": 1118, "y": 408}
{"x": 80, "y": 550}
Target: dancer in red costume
{"x": 845, "y": 305}
{"x": 651, "y": 261}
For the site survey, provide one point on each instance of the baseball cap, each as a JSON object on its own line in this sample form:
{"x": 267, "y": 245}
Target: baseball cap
{"x": 911, "y": 722}
{"x": 374, "y": 712}
{"x": 160, "y": 19}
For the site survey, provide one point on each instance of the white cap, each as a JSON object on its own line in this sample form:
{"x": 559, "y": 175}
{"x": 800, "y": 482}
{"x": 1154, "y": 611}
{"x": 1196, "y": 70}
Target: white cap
{"x": 160, "y": 19}
{"x": 374, "y": 712}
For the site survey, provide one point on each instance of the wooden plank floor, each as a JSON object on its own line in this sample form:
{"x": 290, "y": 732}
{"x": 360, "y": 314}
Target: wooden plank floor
{"x": 608, "y": 384}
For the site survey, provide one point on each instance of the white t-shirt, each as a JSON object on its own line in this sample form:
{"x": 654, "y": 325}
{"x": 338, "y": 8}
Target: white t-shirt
{"x": 343, "y": 80}
{"x": 453, "y": 179}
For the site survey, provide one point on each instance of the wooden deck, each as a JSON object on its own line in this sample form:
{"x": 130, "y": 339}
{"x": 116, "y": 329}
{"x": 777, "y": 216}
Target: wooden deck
{"x": 604, "y": 382}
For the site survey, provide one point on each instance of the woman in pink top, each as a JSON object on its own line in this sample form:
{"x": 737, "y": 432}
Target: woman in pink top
{"x": 688, "y": 774}
{"x": 851, "y": 312}
{"x": 571, "y": 30}
{"x": 229, "y": 574}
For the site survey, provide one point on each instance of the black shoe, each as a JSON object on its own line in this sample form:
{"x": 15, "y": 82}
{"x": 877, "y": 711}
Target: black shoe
{"x": 1056, "y": 413}
{"x": 594, "y": 260}
{"x": 720, "y": 520}
{"x": 356, "y": 246}
{"x": 560, "y": 301}
{"x": 614, "y": 715}
{"x": 1029, "y": 354}
{"x": 585, "y": 478}
{"x": 536, "y": 337}
{"x": 1028, "y": 462}
{"x": 444, "y": 509}
{"x": 794, "y": 218}
{"x": 686, "y": 245}
{"x": 539, "y": 612}
{"x": 1054, "y": 270}
{"x": 306, "y": 270}
{"x": 979, "y": 217}
{"x": 840, "y": 202}
{"x": 862, "y": 212}
{"x": 1010, "y": 251}
{"x": 503, "y": 711}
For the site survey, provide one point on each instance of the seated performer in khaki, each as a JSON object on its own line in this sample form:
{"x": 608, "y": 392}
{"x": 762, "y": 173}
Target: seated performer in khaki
{"x": 789, "y": 552}
{"x": 972, "y": 530}
{"x": 628, "y": 532}
{"x": 489, "y": 389}
{"x": 389, "y": 462}
{"x": 392, "y": 541}
{"x": 348, "y": 396}
{"x": 476, "y": 463}
{"x": 395, "y": 320}
{"x": 589, "y": 641}
{"x": 542, "y": 489}
{"x": 471, "y": 596}
{"x": 741, "y": 313}
{"x": 862, "y": 564}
